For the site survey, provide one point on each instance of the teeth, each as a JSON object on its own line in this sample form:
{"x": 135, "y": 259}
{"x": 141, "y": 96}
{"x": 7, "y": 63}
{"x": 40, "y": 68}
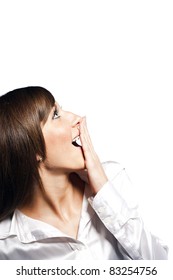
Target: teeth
{"x": 76, "y": 141}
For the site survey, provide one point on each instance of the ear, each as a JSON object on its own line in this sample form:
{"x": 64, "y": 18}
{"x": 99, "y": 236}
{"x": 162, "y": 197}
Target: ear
{"x": 39, "y": 158}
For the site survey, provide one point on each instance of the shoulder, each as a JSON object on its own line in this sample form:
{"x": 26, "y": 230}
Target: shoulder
{"x": 5, "y": 226}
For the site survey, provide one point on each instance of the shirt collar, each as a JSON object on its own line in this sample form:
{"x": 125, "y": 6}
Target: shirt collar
{"x": 29, "y": 230}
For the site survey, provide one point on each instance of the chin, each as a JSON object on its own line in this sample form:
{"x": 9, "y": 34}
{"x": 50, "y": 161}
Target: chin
{"x": 80, "y": 166}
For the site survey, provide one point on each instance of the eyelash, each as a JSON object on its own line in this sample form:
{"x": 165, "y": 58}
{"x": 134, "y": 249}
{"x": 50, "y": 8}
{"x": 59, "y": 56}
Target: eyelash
{"x": 55, "y": 114}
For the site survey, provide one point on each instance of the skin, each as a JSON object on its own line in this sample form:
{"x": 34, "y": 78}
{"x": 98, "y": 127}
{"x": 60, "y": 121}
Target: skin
{"x": 60, "y": 205}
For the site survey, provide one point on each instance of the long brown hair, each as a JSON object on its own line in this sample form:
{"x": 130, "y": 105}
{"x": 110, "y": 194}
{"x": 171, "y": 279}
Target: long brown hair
{"x": 22, "y": 111}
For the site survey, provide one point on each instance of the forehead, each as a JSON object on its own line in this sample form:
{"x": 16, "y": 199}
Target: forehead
{"x": 55, "y": 106}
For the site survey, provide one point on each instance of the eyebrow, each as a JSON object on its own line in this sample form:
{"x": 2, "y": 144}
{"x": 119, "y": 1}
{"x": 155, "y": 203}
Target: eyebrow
{"x": 54, "y": 107}
{"x": 57, "y": 106}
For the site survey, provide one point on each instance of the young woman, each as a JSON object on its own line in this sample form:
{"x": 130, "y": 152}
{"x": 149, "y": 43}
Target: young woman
{"x": 57, "y": 201}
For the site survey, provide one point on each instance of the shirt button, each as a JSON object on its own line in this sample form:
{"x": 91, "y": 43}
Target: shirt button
{"x": 101, "y": 209}
{"x": 107, "y": 220}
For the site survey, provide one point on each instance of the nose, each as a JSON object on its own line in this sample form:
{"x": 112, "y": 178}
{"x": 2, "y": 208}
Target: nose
{"x": 72, "y": 118}
{"x": 76, "y": 120}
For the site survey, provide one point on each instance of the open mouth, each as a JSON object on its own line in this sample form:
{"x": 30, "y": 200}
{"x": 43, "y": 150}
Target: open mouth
{"x": 76, "y": 142}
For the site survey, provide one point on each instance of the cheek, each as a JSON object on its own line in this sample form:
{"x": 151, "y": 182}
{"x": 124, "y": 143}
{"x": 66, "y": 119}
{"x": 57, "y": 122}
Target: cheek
{"x": 57, "y": 139}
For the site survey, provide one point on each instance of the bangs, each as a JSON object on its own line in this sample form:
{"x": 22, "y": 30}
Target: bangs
{"x": 43, "y": 103}
{"x": 28, "y": 104}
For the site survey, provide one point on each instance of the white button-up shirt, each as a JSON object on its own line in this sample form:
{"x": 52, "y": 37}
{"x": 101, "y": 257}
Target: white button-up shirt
{"x": 110, "y": 228}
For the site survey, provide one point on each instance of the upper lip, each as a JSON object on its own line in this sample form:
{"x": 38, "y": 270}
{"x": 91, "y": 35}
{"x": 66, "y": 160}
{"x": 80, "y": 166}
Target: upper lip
{"x": 75, "y": 138}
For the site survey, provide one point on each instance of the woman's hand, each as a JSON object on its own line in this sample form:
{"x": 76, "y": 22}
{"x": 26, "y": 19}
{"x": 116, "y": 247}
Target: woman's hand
{"x": 96, "y": 175}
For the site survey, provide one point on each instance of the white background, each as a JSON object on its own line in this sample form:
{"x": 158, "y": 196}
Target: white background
{"x": 113, "y": 62}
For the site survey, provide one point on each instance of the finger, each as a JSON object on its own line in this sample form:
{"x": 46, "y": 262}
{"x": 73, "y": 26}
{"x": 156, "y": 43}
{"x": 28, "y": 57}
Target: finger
{"x": 85, "y": 136}
{"x": 91, "y": 158}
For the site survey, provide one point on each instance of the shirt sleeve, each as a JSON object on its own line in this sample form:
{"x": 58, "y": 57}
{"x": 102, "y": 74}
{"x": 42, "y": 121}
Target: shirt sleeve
{"x": 116, "y": 206}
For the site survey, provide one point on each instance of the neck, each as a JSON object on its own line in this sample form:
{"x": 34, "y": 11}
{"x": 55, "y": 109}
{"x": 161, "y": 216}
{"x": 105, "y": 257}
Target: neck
{"x": 61, "y": 196}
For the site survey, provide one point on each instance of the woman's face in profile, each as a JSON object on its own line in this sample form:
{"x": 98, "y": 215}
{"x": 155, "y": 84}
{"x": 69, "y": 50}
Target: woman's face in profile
{"x": 59, "y": 131}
